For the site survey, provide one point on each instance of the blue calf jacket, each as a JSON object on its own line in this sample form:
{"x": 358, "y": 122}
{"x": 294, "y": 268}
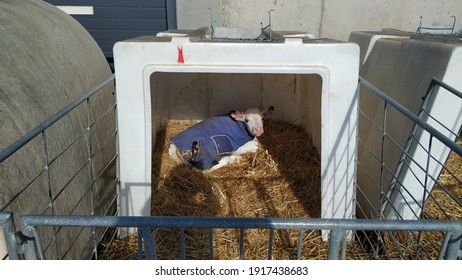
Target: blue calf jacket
{"x": 205, "y": 143}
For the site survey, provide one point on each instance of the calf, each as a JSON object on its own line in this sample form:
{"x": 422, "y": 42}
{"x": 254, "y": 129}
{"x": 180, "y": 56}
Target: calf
{"x": 219, "y": 141}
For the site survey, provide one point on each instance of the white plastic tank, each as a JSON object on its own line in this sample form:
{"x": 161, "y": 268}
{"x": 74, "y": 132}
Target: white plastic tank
{"x": 182, "y": 75}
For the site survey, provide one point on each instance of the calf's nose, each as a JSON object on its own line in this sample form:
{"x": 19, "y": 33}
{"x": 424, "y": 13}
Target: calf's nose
{"x": 259, "y": 131}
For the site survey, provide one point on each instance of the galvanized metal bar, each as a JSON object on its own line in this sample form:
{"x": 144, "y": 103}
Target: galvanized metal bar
{"x": 30, "y": 250}
{"x": 90, "y": 165}
{"x": 39, "y": 129}
{"x": 241, "y": 223}
{"x": 382, "y": 164}
{"x": 447, "y": 87}
{"x": 338, "y": 226}
{"x": 270, "y": 244}
{"x": 154, "y": 243}
{"x": 139, "y": 240}
{"x": 9, "y": 230}
{"x": 50, "y": 189}
{"x": 344, "y": 244}
{"x": 425, "y": 184}
{"x": 241, "y": 243}
{"x": 211, "y": 243}
{"x": 334, "y": 244}
{"x": 300, "y": 244}
{"x": 444, "y": 245}
{"x": 149, "y": 247}
{"x": 438, "y": 135}
{"x": 454, "y": 247}
{"x": 47, "y": 171}
{"x": 38, "y": 243}
{"x": 117, "y": 152}
{"x": 183, "y": 244}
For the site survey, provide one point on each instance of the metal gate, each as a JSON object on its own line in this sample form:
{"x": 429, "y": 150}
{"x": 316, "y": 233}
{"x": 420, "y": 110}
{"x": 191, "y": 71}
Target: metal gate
{"x": 27, "y": 243}
{"x": 378, "y": 238}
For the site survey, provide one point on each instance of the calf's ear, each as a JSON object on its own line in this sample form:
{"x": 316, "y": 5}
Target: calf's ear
{"x": 268, "y": 111}
{"x": 238, "y": 116}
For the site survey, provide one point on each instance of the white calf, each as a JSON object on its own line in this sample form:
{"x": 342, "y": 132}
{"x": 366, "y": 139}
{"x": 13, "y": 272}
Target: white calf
{"x": 219, "y": 141}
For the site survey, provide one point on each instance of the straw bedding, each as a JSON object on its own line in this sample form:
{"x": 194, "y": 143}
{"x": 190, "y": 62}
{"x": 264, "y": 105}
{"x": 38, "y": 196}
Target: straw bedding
{"x": 282, "y": 179}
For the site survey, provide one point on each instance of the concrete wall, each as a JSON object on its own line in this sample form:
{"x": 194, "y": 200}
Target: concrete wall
{"x": 323, "y": 18}
{"x": 47, "y": 60}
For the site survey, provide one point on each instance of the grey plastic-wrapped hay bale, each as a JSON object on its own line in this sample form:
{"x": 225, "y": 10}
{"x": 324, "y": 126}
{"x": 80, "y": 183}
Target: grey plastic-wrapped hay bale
{"x": 47, "y": 60}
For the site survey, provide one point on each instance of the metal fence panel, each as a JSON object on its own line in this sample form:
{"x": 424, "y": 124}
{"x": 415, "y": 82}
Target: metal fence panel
{"x": 337, "y": 227}
{"x": 76, "y": 173}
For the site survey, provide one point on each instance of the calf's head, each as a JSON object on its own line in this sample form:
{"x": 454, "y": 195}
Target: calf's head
{"x": 253, "y": 119}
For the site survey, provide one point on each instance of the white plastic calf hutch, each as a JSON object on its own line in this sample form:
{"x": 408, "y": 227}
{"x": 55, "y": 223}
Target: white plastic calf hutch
{"x": 402, "y": 64}
{"x": 194, "y": 75}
